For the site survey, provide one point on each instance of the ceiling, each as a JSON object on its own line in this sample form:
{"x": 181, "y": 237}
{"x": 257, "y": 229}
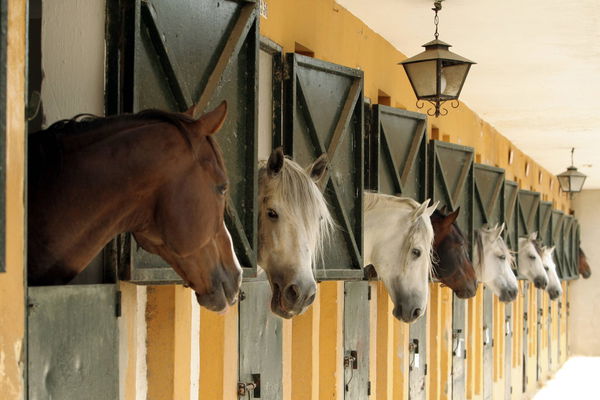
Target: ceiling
{"x": 537, "y": 77}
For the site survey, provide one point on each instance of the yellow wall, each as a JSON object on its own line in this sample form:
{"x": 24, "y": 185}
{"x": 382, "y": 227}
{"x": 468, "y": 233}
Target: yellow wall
{"x": 12, "y": 295}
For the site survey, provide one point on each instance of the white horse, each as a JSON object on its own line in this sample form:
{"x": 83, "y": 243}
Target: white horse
{"x": 530, "y": 262}
{"x": 554, "y": 288}
{"x": 294, "y": 221}
{"x": 398, "y": 244}
{"x": 493, "y": 261}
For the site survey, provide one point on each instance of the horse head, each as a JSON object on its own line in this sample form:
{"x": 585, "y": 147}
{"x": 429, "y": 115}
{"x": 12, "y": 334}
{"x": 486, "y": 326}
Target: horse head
{"x": 187, "y": 228}
{"x": 530, "y": 262}
{"x": 493, "y": 261}
{"x": 454, "y": 267}
{"x": 398, "y": 243}
{"x": 554, "y": 288}
{"x": 293, "y": 223}
{"x": 583, "y": 266}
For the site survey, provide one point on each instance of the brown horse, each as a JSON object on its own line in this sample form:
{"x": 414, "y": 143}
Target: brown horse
{"x": 454, "y": 267}
{"x": 157, "y": 174}
{"x": 583, "y": 267}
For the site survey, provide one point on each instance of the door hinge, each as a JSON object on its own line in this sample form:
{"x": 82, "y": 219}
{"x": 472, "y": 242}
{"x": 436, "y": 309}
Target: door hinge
{"x": 118, "y": 303}
{"x": 425, "y": 371}
{"x": 369, "y": 293}
{"x": 369, "y": 388}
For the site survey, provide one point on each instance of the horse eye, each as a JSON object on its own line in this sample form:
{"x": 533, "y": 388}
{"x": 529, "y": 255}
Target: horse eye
{"x": 502, "y": 257}
{"x": 531, "y": 257}
{"x": 546, "y": 267}
{"x": 416, "y": 253}
{"x": 272, "y": 214}
{"x": 222, "y": 189}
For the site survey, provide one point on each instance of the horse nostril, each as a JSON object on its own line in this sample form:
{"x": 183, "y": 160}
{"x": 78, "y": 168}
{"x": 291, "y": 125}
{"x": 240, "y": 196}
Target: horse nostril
{"x": 540, "y": 283}
{"x": 513, "y": 293}
{"x": 310, "y": 300}
{"x": 292, "y": 293}
{"x": 416, "y": 313}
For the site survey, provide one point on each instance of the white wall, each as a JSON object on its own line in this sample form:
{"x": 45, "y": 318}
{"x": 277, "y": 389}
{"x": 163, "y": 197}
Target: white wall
{"x": 584, "y": 294}
{"x": 73, "y": 33}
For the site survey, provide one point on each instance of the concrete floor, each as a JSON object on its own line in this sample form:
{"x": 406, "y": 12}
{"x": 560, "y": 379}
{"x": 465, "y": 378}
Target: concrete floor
{"x": 578, "y": 379}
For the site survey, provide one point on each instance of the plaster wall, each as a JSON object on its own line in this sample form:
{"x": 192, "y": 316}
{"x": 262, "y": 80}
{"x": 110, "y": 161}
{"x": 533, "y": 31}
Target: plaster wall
{"x": 584, "y": 296}
{"x": 72, "y": 58}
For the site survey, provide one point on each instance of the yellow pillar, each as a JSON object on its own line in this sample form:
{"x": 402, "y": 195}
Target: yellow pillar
{"x": 12, "y": 291}
{"x": 331, "y": 340}
{"x": 133, "y": 330}
{"x": 385, "y": 344}
{"x": 160, "y": 318}
{"x": 305, "y": 352}
{"x": 219, "y": 355}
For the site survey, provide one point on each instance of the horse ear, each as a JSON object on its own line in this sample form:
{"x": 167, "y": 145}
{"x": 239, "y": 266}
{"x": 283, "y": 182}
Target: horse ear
{"x": 533, "y": 236}
{"x": 551, "y": 249}
{"x": 419, "y": 211}
{"x": 450, "y": 218}
{"x": 318, "y": 168}
{"x": 275, "y": 162}
{"x": 213, "y": 120}
{"x": 498, "y": 231}
{"x": 431, "y": 209}
{"x": 501, "y": 228}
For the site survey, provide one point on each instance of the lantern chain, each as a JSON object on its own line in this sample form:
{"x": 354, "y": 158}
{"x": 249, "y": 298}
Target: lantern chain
{"x": 437, "y": 6}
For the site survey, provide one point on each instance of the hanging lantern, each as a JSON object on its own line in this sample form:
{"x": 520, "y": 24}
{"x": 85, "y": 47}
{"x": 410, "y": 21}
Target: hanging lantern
{"x": 571, "y": 181}
{"x": 437, "y": 75}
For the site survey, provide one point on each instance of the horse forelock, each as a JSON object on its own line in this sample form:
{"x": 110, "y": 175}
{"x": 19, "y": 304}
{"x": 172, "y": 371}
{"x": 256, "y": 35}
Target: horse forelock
{"x": 300, "y": 198}
{"x": 510, "y": 258}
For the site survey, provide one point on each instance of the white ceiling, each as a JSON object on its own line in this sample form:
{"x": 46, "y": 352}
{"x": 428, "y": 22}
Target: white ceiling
{"x": 537, "y": 77}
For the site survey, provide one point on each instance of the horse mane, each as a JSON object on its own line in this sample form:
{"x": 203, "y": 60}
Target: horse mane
{"x": 302, "y": 199}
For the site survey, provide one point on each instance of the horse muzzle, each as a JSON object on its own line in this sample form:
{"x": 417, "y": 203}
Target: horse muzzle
{"x": 508, "y": 295}
{"x": 223, "y": 293}
{"x": 292, "y": 299}
{"x": 540, "y": 282}
{"x": 554, "y": 293}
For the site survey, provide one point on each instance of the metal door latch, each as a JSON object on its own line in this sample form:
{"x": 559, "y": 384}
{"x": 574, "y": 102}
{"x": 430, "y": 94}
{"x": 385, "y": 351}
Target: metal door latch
{"x": 351, "y": 360}
{"x": 245, "y": 388}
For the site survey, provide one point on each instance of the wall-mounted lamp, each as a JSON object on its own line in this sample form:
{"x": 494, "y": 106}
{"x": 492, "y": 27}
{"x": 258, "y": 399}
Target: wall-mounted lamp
{"x": 571, "y": 181}
{"x": 437, "y": 75}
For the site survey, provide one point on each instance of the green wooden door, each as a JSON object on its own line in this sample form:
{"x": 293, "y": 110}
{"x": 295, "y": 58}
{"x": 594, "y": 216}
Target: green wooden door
{"x": 73, "y": 342}
{"x": 183, "y": 53}
{"x": 556, "y": 224}
{"x": 488, "y": 209}
{"x": 452, "y": 184}
{"x": 260, "y": 341}
{"x": 356, "y": 340}
{"x": 324, "y": 114}
{"x": 397, "y": 165}
{"x": 397, "y": 153}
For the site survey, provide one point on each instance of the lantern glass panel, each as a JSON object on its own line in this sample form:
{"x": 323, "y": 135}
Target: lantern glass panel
{"x": 454, "y": 76}
{"x": 422, "y": 75}
{"x": 577, "y": 183}
{"x": 565, "y": 183}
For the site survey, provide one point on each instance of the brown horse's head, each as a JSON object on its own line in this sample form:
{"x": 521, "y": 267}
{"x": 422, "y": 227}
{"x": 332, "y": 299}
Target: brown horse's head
{"x": 187, "y": 228}
{"x": 584, "y": 267}
{"x": 454, "y": 267}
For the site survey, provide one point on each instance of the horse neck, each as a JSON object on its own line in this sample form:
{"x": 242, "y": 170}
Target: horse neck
{"x": 106, "y": 188}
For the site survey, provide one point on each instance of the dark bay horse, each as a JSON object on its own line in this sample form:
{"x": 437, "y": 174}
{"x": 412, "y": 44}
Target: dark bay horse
{"x": 454, "y": 268}
{"x": 583, "y": 267}
{"x": 156, "y": 174}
